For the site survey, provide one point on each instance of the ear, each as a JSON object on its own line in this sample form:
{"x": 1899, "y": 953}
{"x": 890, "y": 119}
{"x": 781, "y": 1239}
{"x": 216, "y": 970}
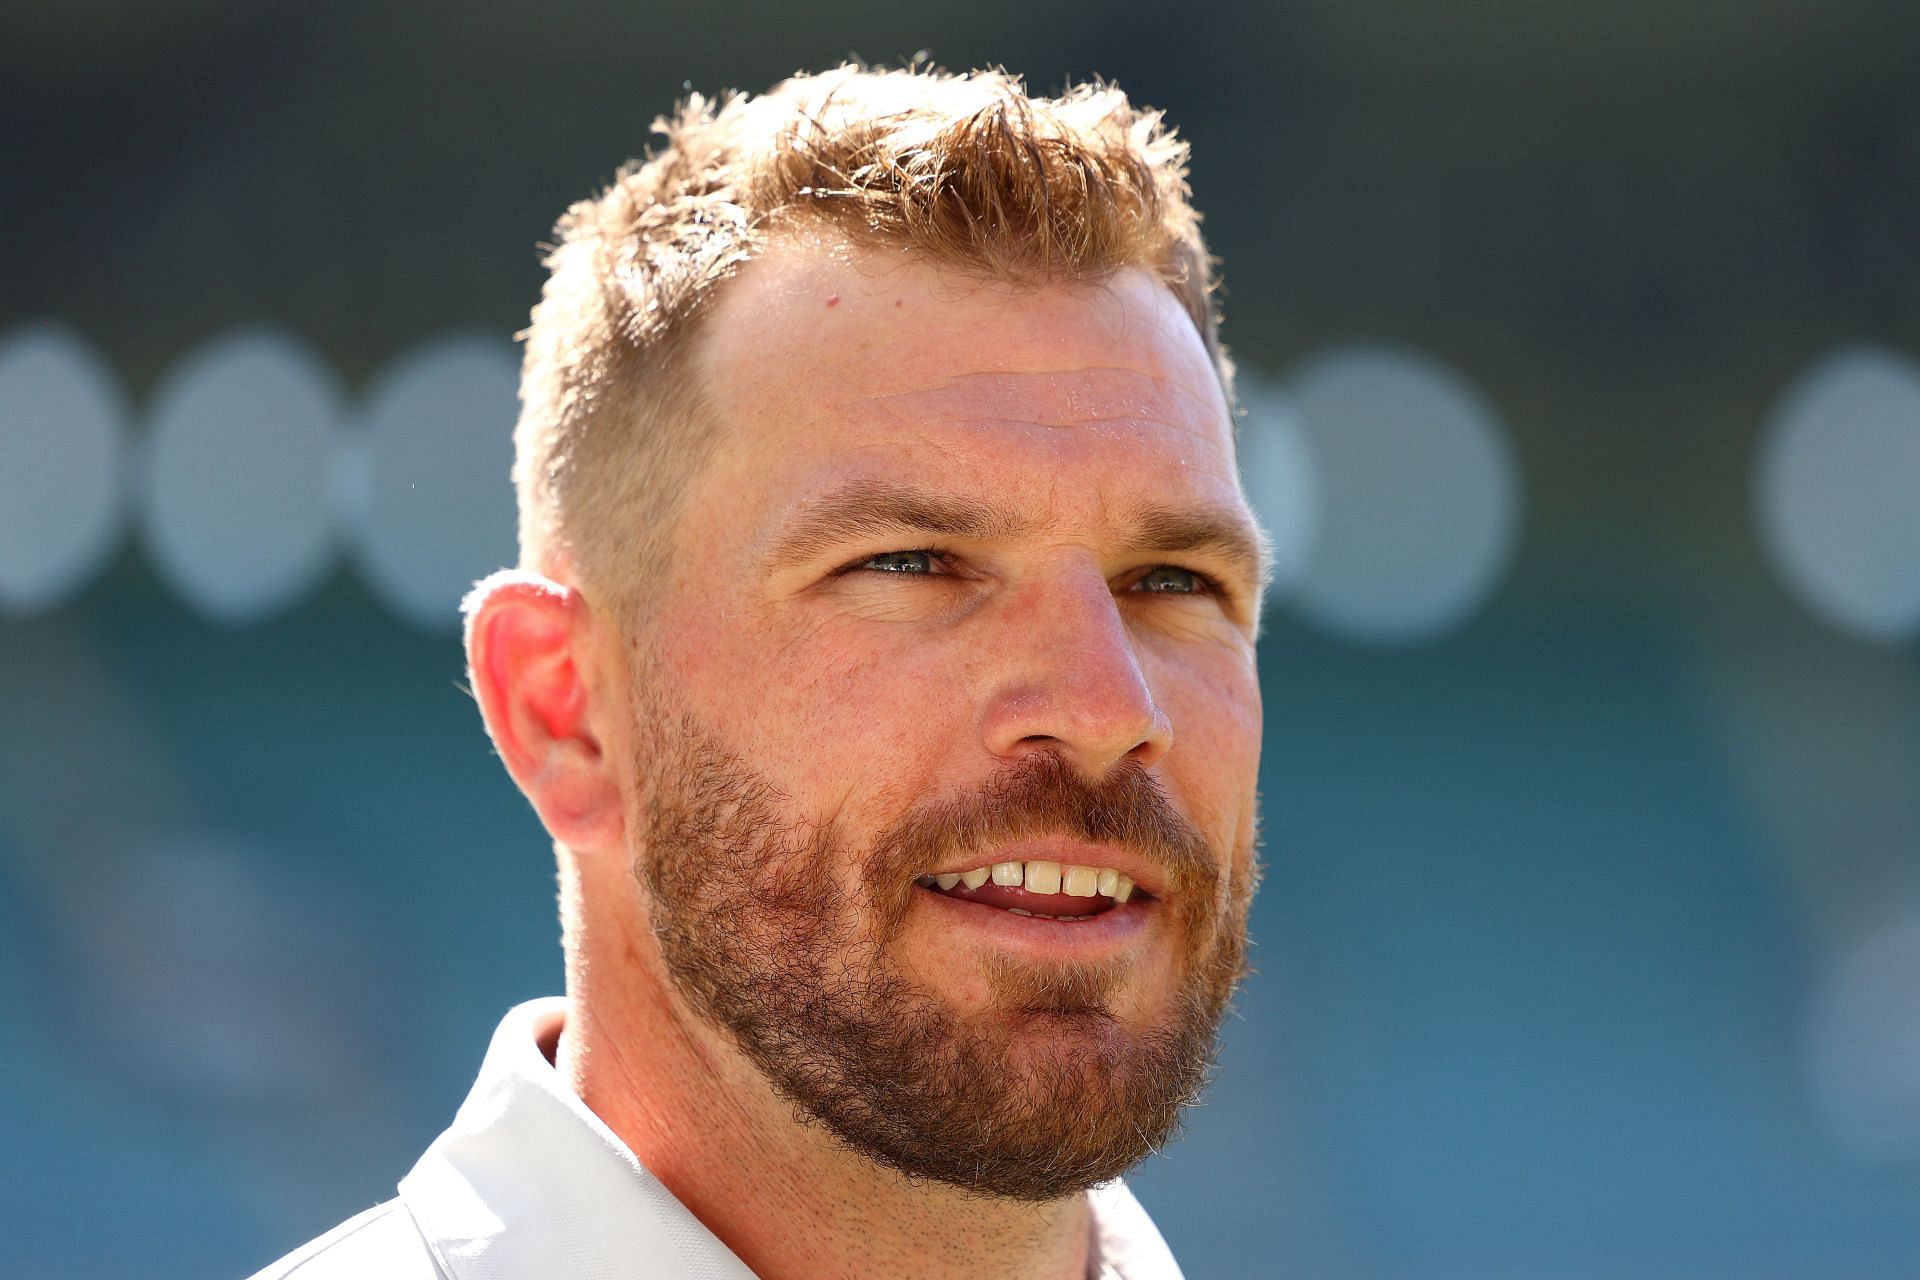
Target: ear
{"x": 531, "y": 662}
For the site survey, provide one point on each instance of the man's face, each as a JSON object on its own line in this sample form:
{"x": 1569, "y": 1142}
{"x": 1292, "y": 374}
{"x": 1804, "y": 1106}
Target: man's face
{"x": 969, "y": 584}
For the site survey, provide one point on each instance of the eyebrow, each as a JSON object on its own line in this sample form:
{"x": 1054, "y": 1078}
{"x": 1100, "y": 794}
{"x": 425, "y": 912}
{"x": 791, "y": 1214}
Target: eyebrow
{"x": 1210, "y": 530}
{"x": 870, "y": 508}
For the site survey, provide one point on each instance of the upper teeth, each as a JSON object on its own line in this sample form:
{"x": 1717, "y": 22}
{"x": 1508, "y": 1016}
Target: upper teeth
{"x": 1041, "y": 876}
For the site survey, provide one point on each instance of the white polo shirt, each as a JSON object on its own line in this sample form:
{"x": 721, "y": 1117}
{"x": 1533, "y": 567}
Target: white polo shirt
{"x": 527, "y": 1183}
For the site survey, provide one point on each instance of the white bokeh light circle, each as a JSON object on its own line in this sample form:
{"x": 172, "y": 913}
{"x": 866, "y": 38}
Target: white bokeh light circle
{"x": 436, "y": 497}
{"x": 1863, "y": 1046}
{"x": 1419, "y": 496}
{"x": 62, "y": 451}
{"x": 1837, "y": 492}
{"x": 1277, "y": 470}
{"x": 239, "y": 460}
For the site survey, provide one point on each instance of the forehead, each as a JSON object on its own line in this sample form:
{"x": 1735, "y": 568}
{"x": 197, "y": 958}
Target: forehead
{"x": 827, "y": 359}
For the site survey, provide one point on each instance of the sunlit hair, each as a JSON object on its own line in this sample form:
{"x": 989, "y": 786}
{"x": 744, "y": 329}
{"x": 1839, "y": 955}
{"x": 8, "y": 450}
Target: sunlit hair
{"x": 965, "y": 171}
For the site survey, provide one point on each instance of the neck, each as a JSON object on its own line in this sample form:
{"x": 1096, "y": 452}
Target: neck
{"x": 782, "y": 1194}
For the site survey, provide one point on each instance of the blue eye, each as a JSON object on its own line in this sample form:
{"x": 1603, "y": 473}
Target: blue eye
{"x": 1172, "y": 580}
{"x": 920, "y": 562}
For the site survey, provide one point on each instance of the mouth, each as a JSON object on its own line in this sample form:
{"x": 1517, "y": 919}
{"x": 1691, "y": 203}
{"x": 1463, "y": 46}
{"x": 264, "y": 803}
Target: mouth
{"x": 1041, "y": 889}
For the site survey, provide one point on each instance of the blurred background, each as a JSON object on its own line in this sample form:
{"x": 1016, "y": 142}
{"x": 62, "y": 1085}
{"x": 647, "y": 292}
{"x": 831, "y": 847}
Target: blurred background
{"x": 1580, "y": 354}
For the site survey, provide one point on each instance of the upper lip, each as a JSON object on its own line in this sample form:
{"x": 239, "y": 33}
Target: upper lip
{"x": 1145, "y": 873}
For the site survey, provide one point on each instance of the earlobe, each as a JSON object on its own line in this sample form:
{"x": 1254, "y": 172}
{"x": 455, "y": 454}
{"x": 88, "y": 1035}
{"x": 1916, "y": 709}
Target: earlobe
{"x": 530, "y": 660}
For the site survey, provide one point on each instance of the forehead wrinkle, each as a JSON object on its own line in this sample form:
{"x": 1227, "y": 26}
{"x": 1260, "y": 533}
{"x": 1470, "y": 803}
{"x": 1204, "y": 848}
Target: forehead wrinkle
{"x": 1108, "y": 379}
{"x": 1088, "y": 396}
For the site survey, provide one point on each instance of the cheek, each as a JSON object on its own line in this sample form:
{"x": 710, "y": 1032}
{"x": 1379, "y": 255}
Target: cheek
{"x": 834, "y": 715}
{"x": 1213, "y": 768}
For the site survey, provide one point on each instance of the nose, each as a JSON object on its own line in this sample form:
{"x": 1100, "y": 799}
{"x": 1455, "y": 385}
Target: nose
{"x": 1068, "y": 679}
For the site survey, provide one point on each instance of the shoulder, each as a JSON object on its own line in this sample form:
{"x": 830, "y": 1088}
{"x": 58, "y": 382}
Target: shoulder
{"x": 381, "y": 1244}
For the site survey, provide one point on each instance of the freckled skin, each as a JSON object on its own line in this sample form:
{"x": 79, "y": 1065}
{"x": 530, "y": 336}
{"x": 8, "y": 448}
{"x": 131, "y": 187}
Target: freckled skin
{"x": 859, "y": 693}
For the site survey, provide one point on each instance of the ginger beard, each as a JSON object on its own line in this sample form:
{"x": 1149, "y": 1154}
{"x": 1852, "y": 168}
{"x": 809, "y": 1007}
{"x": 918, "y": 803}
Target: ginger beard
{"x": 1045, "y": 1094}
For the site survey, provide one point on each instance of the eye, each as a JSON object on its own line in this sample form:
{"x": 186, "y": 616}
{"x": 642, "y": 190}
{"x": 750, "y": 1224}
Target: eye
{"x": 909, "y": 562}
{"x": 1169, "y": 579}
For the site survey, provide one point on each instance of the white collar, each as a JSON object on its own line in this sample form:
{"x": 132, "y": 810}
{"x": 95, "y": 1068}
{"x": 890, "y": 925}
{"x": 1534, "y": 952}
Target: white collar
{"x": 527, "y": 1181}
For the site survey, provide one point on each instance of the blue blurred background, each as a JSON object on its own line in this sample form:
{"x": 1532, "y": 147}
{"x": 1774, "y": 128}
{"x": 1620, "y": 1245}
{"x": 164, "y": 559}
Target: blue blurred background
{"x": 1580, "y": 348}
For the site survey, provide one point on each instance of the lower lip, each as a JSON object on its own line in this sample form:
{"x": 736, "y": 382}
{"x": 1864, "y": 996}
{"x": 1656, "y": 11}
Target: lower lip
{"x": 1108, "y": 931}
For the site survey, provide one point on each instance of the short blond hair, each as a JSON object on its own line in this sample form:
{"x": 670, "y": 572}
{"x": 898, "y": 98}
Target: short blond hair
{"x": 966, "y": 171}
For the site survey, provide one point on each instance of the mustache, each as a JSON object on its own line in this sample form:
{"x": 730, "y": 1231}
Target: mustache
{"x": 1043, "y": 795}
